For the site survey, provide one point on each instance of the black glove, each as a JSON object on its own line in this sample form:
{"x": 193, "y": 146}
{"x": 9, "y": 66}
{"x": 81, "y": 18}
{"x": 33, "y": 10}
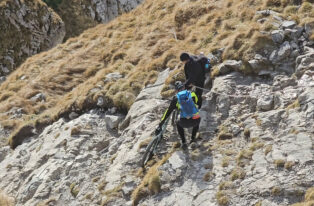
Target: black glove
{"x": 158, "y": 130}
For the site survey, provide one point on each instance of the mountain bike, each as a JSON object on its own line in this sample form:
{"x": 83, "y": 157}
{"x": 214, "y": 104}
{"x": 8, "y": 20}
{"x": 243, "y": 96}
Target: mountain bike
{"x": 152, "y": 146}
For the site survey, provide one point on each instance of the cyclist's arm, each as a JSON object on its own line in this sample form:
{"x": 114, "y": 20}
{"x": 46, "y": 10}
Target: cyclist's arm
{"x": 194, "y": 97}
{"x": 167, "y": 113}
{"x": 187, "y": 77}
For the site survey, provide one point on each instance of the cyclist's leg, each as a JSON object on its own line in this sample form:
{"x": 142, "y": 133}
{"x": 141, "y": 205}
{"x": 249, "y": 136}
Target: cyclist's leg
{"x": 196, "y": 123}
{"x": 181, "y": 131}
{"x": 199, "y": 93}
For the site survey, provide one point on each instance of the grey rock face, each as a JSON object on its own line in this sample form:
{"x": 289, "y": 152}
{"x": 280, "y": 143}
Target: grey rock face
{"x": 35, "y": 27}
{"x": 265, "y": 103}
{"x": 39, "y": 97}
{"x": 288, "y": 24}
{"x": 233, "y": 64}
{"x": 113, "y": 121}
{"x": 2, "y": 79}
{"x": 100, "y": 101}
{"x": 104, "y": 11}
{"x": 284, "y": 51}
{"x": 228, "y": 66}
{"x": 305, "y": 62}
{"x": 113, "y": 76}
{"x": 73, "y": 115}
{"x": 260, "y": 63}
{"x": 277, "y": 36}
{"x": 309, "y": 28}
{"x": 4, "y": 151}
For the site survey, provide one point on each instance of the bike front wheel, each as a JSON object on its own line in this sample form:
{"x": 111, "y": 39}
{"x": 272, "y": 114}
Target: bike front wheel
{"x": 149, "y": 152}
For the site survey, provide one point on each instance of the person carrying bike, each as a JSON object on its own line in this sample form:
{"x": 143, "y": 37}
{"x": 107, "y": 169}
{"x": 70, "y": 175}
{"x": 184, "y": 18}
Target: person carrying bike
{"x": 195, "y": 69}
{"x": 185, "y": 101}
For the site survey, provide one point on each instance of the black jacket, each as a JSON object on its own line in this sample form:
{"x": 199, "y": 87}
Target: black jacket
{"x": 194, "y": 72}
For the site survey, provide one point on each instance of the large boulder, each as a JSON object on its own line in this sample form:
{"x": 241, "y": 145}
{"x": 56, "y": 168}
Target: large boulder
{"x": 288, "y": 24}
{"x": 305, "y": 62}
{"x": 265, "y": 103}
{"x": 27, "y": 28}
{"x": 229, "y": 66}
{"x": 113, "y": 121}
{"x": 284, "y": 50}
{"x": 277, "y": 36}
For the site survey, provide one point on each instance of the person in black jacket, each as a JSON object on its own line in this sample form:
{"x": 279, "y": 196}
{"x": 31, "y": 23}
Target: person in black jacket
{"x": 183, "y": 122}
{"x": 194, "y": 73}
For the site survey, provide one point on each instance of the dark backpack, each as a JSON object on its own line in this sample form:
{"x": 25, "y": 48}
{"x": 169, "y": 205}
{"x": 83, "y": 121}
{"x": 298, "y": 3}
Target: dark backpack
{"x": 205, "y": 63}
{"x": 187, "y": 106}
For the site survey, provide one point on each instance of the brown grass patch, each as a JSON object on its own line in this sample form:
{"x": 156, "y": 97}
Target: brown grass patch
{"x": 222, "y": 198}
{"x": 150, "y": 183}
{"x": 308, "y": 198}
{"x": 237, "y": 173}
{"x": 276, "y": 191}
{"x": 6, "y": 200}
{"x": 208, "y": 176}
{"x": 244, "y": 157}
{"x": 279, "y": 163}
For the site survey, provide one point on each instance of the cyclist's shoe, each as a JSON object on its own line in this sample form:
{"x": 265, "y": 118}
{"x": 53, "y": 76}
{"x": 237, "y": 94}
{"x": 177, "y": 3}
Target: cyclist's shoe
{"x": 184, "y": 146}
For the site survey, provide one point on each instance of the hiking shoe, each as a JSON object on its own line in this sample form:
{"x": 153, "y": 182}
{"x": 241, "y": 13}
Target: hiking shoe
{"x": 193, "y": 145}
{"x": 184, "y": 146}
{"x": 192, "y": 140}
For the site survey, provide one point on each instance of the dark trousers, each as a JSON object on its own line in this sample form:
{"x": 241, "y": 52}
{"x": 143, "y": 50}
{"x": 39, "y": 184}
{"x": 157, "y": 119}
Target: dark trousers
{"x": 199, "y": 93}
{"x": 187, "y": 123}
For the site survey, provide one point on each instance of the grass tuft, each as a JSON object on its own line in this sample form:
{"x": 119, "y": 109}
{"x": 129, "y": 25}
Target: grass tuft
{"x": 222, "y": 198}
{"x": 237, "y": 173}
{"x": 74, "y": 189}
{"x": 276, "y": 191}
{"x": 154, "y": 184}
{"x": 308, "y": 199}
{"x": 224, "y": 136}
{"x": 208, "y": 176}
{"x": 268, "y": 149}
{"x": 288, "y": 165}
{"x": 279, "y": 163}
{"x": 76, "y": 130}
{"x": 6, "y": 200}
{"x": 225, "y": 162}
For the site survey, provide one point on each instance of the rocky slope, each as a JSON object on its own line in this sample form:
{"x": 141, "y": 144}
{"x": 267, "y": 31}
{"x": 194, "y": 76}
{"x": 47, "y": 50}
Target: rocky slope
{"x": 27, "y": 28}
{"x": 262, "y": 153}
{"x": 138, "y": 45}
{"x": 256, "y": 135}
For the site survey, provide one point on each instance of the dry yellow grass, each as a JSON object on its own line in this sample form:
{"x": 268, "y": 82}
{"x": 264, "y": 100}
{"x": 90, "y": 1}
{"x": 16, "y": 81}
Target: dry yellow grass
{"x": 150, "y": 183}
{"x": 308, "y": 199}
{"x": 6, "y": 200}
{"x": 138, "y": 45}
{"x": 237, "y": 173}
{"x": 222, "y": 198}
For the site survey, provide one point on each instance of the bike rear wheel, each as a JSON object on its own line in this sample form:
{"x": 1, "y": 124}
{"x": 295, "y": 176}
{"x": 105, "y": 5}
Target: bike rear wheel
{"x": 149, "y": 152}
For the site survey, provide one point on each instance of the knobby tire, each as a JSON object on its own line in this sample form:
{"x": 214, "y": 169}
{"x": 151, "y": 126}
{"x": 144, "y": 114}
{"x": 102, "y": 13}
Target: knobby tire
{"x": 149, "y": 152}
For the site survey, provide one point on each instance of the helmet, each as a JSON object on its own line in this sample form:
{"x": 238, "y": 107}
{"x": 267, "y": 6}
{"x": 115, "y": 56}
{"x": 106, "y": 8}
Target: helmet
{"x": 184, "y": 56}
{"x": 178, "y": 85}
